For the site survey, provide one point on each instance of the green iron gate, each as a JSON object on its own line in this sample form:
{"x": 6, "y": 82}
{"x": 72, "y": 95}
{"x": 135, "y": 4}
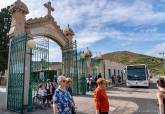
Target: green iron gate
{"x": 95, "y": 66}
{"x": 39, "y": 68}
{"x": 16, "y": 77}
{"x": 70, "y": 65}
{"x": 82, "y": 74}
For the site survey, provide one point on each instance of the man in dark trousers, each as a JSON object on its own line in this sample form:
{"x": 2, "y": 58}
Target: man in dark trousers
{"x": 96, "y": 78}
{"x": 99, "y": 76}
{"x": 113, "y": 79}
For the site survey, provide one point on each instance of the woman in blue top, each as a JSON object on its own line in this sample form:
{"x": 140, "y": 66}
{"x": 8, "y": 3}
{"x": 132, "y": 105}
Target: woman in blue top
{"x": 63, "y": 102}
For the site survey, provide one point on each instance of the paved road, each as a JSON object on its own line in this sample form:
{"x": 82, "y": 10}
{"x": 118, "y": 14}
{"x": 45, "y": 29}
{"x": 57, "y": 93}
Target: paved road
{"x": 134, "y": 100}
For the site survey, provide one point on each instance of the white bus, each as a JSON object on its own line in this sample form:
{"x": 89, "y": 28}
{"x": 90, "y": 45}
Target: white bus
{"x": 137, "y": 75}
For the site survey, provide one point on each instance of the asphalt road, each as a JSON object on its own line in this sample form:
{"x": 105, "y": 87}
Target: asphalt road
{"x": 134, "y": 100}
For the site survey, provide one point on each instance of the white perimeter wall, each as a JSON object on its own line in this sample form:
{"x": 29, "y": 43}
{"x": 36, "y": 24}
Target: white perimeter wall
{"x": 3, "y": 98}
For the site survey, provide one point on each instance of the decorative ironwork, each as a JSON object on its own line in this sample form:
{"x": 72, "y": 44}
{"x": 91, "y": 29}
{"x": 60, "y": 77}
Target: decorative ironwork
{"x": 70, "y": 65}
{"x": 39, "y": 65}
{"x": 15, "y": 98}
{"x": 95, "y": 66}
{"x": 82, "y": 75}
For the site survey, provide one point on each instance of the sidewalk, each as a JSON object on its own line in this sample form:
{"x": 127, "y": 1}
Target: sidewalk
{"x": 85, "y": 105}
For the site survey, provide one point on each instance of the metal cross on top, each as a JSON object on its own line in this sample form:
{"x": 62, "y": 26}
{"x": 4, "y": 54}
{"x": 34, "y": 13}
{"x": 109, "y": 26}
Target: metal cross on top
{"x": 49, "y": 7}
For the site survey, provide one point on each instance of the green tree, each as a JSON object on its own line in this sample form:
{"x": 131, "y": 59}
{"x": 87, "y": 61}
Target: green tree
{"x": 5, "y": 21}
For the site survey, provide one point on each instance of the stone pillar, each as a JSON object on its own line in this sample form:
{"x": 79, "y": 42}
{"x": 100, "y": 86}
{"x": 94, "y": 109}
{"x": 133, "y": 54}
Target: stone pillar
{"x": 89, "y": 69}
{"x": 68, "y": 32}
{"x": 27, "y": 76}
{"x": 88, "y": 55}
{"x": 19, "y": 11}
{"x": 101, "y": 65}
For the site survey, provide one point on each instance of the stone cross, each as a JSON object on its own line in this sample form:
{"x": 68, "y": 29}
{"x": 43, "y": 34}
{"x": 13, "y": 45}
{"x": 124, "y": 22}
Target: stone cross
{"x": 49, "y": 7}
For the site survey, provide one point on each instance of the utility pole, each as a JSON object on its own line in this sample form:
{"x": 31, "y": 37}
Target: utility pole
{"x": 163, "y": 54}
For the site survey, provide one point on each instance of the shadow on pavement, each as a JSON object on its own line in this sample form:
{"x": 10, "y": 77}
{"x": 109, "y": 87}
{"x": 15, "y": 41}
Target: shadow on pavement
{"x": 145, "y": 106}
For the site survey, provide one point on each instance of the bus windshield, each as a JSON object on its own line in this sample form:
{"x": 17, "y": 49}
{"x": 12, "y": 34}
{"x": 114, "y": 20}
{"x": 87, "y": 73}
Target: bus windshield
{"x": 136, "y": 74}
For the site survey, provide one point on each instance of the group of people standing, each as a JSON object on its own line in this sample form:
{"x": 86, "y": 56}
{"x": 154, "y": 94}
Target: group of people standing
{"x": 92, "y": 81}
{"x": 116, "y": 79}
{"x": 63, "y": 102}
{"x": 45, "y": 91}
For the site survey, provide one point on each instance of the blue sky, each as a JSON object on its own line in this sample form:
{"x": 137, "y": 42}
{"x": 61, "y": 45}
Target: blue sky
{"x": 108, "y": 25}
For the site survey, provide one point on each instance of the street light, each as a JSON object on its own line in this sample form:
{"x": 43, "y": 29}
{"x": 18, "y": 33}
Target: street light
{"x": 32, "y": 45}
{"x": 162, "y": 53}
{"x": 82, "y": 55}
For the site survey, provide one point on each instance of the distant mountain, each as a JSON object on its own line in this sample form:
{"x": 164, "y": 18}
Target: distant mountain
{"x": 154, "y": 64}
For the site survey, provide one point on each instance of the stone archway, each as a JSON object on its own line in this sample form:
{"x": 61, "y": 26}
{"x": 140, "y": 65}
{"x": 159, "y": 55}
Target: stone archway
{"x": 42, "y": 26}
{"x": 47, "y": 27}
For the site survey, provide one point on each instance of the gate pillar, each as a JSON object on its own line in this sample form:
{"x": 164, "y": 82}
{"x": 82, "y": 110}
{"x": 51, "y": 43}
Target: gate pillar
{"x": 19, "y": 11}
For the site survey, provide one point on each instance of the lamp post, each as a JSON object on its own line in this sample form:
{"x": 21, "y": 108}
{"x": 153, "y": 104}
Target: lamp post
{"x": 163, "y": 53}
{"x": 32, "y": 45}
{"x": 83, "y": 78}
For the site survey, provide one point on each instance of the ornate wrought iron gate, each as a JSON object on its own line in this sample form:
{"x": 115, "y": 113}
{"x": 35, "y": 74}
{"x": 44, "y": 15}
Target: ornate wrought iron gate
{"x": 16, "y": 77}
{"x": 95, "y": 66}
{"x": 70, "y": 65}
{"x": 39, "y": 66}
{"x": 82, "y": 75}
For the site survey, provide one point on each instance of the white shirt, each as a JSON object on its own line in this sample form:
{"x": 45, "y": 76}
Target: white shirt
{"x": 41, "y": 92}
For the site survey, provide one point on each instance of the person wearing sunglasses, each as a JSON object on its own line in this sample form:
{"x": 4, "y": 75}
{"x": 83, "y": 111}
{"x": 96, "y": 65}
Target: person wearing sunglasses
{"x": 101, "y": 98}
{"x": 62, "y": 100}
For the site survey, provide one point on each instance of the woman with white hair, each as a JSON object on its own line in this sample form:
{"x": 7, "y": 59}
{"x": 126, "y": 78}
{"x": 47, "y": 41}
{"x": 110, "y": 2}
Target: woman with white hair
{"x": 62, "y": 100}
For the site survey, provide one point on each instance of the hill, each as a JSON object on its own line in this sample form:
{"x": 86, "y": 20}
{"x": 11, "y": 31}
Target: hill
{"x": 154, "y": 64}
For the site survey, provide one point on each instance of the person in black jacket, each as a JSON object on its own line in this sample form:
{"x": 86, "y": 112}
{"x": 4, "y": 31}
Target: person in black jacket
{"x": 99, "y": 76}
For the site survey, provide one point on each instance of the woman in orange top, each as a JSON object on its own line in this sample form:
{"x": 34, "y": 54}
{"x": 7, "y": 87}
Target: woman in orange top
{"x": 101, "y": 98}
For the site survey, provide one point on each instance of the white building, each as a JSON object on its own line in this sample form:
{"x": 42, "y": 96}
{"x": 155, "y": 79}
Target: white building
{"x": 114, "y": 69}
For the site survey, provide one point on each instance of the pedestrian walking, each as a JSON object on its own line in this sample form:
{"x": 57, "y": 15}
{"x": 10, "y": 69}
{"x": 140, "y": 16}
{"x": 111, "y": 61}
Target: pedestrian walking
{"x": 50, "y": 90}
{"x": 101, "y": 98}
{"x": 113, "y": 80}
{"x": 161, "y": 95}
{"x": 87, "y": 79}
{"x": 99, "y": 76}
{"x": 90, "y": 83}
{"x": 69, "y": 89}
{"x": 96, "y": 81}
{"x": 62, "y": 100}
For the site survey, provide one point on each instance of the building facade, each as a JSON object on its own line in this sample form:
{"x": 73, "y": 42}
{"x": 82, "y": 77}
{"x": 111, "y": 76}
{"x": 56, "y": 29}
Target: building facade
{"x": 114, "y": 69}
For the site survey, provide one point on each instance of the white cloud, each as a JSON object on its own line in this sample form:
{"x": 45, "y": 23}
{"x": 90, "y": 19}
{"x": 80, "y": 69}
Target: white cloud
{"x": 5, "y": 3}
{"x": 95, "y": 14}
{"x": 55, "y": 54}
{"x": 88, "y": 38}
{"x": 159, "y": 48}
